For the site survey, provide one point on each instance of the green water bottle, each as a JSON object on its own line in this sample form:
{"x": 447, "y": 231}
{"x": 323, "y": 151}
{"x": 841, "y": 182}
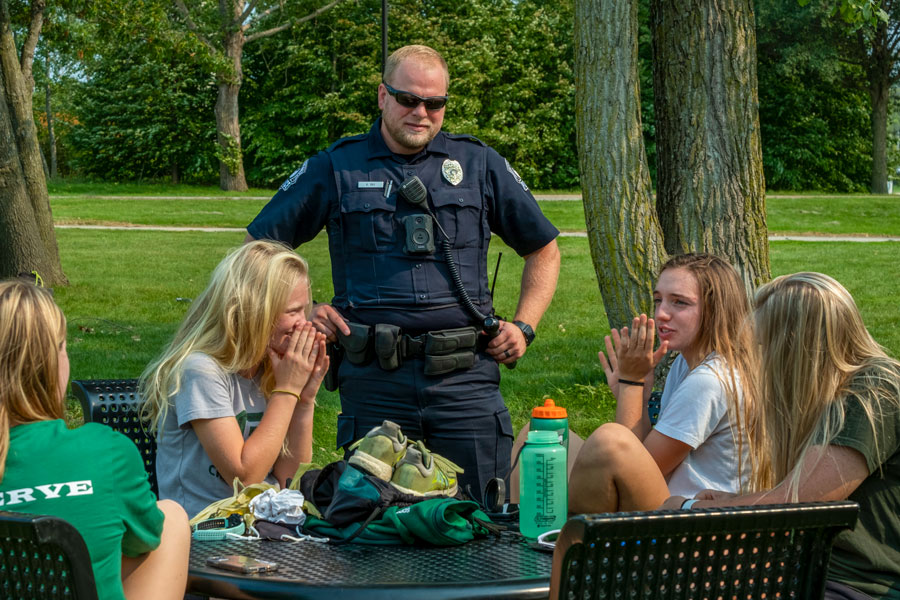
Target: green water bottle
{"x": 551, "y": 417}
{"x": 543, "y": 495}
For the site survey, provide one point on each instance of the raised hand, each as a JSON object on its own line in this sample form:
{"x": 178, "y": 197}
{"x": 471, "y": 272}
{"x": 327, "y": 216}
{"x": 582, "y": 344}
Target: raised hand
{"x": 610, "y": 365}
{"x": 320, "y": 368}
{"x": 328, "y": 321}
{"x": 292, "y": 370}
{"x": 635, "y": 356}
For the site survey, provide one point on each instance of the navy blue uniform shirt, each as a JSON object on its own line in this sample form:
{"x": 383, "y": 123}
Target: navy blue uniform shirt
{"x": 351, "y": 190}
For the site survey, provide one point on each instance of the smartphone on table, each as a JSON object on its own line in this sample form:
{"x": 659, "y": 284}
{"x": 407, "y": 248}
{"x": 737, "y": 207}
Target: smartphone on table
{"x": 241, "y": 564}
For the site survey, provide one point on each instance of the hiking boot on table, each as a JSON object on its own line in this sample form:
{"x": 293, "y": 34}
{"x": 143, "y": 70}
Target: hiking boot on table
{"x": 423, "y": 473}
{"x": 379, "y": 450}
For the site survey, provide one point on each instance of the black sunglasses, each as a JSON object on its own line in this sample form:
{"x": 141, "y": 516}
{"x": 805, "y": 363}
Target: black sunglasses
{"x": 410, "y": 100}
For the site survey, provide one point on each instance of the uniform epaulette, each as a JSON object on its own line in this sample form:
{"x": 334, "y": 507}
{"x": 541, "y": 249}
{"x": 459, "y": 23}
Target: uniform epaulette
{"x": 465, "y": 137}
{"x": 347, "y": 140}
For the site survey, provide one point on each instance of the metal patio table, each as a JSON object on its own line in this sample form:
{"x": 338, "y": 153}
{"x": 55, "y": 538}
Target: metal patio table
{"x": 495, "y": 567}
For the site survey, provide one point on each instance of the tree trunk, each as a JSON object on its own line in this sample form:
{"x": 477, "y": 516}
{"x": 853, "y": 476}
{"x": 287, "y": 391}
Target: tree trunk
{"x": 228, "y": 127}
{"x": 879, "y": 92}
{"x": 29, "y": 238}
{"x": 879, "y": 73}
{"x": 51, "y": 134}
{"x": 623, "y": 231}
{"x": 710, "y": 184}
{"x": 22, "y": 247}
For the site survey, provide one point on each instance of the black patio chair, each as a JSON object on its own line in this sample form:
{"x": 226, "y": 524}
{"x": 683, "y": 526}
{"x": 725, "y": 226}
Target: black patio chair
{"x": 115, "y": 402}
{"x": 775, "y": 551}
{"x": 43, "y": 557}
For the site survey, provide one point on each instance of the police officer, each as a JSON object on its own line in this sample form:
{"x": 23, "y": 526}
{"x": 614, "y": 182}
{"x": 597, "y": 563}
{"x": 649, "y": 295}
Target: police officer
{"x": 391, "y": 275}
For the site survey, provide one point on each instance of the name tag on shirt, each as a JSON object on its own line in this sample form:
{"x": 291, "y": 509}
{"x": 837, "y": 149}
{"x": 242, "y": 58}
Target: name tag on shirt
{"x": 370, "y": 185}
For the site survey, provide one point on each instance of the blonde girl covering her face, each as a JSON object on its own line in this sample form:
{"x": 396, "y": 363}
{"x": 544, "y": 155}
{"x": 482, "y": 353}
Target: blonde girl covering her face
{"x": 817, "y": 351}
{"x": 148, "y": 558}
{"x": 231, "y": 321}
{"x": 233, "y": 396}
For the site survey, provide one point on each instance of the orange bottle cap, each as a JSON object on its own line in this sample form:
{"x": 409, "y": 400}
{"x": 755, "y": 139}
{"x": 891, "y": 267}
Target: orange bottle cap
{"x": 549, "y": 411}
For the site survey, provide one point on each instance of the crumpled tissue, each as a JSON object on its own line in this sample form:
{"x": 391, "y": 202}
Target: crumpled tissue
{"x": 284, "y": 506}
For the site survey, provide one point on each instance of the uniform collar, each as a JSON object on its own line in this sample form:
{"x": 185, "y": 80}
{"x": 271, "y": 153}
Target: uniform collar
{"x": 378, "y": 148}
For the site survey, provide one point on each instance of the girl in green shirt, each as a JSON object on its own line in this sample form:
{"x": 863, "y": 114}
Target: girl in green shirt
{"x": 91, "y": 477}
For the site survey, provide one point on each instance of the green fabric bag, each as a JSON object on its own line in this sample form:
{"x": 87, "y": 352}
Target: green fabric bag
{"x": 436, "y": 522}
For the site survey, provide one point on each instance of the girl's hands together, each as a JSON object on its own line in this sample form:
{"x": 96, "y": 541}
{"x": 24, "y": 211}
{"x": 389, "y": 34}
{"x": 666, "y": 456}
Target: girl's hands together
{"x": 634, "y": 356}
{"x": 320, "y": 368}
{"x": 610, "y": 365}
{"x": 294, "y": 368}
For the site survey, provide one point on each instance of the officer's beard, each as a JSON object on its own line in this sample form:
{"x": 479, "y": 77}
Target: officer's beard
{"x": 414, "y": 142}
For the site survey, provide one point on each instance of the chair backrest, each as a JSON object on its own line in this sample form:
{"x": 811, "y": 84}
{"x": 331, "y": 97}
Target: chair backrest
{"x": 777, "y": 551}
{"x": 43, "y": 557}
{"x": 115, "y": 402}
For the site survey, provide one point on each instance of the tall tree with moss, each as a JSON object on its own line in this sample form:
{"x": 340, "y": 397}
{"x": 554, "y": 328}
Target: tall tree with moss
{"x": 27, "y": 237}
{"x": 711, "y": 191}
{"x": 626, "y": 240}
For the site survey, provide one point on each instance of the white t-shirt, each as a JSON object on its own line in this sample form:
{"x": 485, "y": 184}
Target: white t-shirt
{"x": 694, "y": 410}
{"x": 184, "y": 471}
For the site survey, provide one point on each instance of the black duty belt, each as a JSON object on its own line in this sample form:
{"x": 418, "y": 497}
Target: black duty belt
{"x": 444, "y": 351}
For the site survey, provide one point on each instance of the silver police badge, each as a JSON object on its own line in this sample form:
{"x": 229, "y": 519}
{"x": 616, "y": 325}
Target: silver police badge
{"x": 452, "y": 171}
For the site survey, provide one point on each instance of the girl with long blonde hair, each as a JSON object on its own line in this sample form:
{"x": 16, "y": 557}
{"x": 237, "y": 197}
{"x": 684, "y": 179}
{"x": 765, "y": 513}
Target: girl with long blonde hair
{"x": 827, "y": 426}
{"x": 233, "y": 395}
{"x": 699, "y": 440}
{"x": 92, "y": 477}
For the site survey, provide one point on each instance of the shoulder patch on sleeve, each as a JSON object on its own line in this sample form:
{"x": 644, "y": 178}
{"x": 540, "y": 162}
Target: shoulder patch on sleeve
{"x": 515, "y": 175}
{"x": 294, "y": 177}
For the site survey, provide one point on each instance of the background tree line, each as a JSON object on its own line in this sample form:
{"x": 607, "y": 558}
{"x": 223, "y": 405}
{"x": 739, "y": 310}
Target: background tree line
{"x": 133, "y": 98}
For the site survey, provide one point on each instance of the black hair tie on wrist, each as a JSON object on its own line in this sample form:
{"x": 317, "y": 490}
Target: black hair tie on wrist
{"x": 629, "y": 382}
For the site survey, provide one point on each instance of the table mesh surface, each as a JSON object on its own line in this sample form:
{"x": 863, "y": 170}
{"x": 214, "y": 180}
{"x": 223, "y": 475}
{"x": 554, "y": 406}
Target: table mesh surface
{"x": 493, "y": 560}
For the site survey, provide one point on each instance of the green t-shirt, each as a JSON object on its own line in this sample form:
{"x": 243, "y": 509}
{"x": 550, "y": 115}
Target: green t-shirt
{"x": 93, "y": 478}
{"x": 868, "y": 557}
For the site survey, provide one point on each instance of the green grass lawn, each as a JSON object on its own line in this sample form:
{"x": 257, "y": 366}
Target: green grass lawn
{"x": 209, "y": 207}
{"x": 129, "y": 290}
{"x": 83, "y": 188}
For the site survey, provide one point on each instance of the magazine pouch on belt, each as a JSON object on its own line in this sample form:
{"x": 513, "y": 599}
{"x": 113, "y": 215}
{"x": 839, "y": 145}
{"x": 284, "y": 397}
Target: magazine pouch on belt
{"x": 441, "y": 365}
{"x": 357, "y": 348}
{"x": 449, "y": 350}
{"x": 450, "y": 341}
{"x": 387, "y": 346}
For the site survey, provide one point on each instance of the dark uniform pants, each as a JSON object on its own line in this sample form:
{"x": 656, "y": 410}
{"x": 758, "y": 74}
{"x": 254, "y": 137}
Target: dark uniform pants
{"x": 460, "y": 416}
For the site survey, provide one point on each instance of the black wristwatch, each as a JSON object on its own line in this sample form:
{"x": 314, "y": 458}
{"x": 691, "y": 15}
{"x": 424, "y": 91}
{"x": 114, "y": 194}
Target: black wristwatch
{"x": 527, "y": 330}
